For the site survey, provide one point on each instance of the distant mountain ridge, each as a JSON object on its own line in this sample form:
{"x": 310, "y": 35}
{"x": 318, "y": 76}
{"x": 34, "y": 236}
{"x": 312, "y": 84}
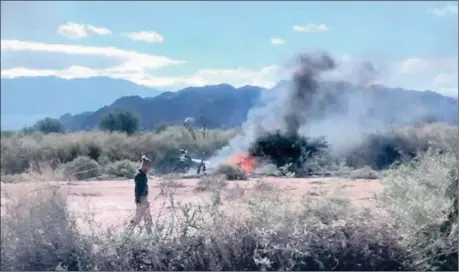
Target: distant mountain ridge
{"x": 220, "y": 106}
{"x": 27, "y": 99}
{"x": 224, "y": 106}
{"x": 80, "y": 103}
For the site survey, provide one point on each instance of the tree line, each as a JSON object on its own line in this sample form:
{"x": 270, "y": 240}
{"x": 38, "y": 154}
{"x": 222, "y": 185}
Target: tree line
{"x": 120, "y": 121}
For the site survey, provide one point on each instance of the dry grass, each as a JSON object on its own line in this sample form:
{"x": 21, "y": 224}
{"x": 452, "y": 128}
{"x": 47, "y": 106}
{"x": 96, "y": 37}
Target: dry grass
{"x": 21, "y": 152}
{"x": 234, "y": 192}
{"x": 41, "y": 231}
{"x": 116, "y": 154}
{"x": 416, "y": 196}
{"x": 211, "y": 182}
{"x": 364, "y": 173}
{"x": 274, "y": 234}
{"x": 264, "y": 186}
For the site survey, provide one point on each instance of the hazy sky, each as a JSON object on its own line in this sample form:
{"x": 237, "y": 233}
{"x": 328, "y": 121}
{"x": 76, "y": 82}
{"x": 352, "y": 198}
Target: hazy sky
{"x": 168, "y": 45}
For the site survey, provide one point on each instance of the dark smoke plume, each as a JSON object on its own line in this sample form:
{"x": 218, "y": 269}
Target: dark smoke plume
{"x": 287, "y": 147}
{"x": 305, "y": 87}
{"x": 286, "y": 127}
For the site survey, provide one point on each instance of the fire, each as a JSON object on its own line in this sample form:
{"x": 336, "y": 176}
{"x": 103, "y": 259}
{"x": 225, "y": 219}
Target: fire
{"x": 246, "y": 162}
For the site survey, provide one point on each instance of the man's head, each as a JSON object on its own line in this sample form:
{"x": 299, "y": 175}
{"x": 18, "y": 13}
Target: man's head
{"x": 145, "y": 164}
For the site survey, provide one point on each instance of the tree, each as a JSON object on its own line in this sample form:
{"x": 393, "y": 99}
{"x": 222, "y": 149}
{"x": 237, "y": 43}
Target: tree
{"x": 49, "y": 125}
{"x": 123, "y": 121}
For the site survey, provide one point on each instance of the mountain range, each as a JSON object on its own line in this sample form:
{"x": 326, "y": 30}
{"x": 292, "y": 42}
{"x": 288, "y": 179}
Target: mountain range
{"x": 221, "y": 106}
{"x": 80, "y": 103}
{"x": 28, "y": 99}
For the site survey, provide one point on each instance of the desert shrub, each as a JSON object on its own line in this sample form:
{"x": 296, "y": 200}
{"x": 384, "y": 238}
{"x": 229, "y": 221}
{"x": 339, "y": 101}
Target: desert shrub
{"x": 45, "y": 126}
{"x": 380, "y": 151}
{"x": 415, "y": 196}
{"x": 124, "y": 169}
{"x": 21, "y": 151}
{"x": 49, "y": 125}
{"x": 231, "y": 172}
{"x": 280, "y": 239}
{"x": 82, "y": 168}
{"x": 322, "y": 247}
{"x": 273, "y": 235}
{"x": 210, "y": 183}
{"x": 93, "y": 151}
{"x": 39, "y": 234}
{"x": 363, "y": 173}
{"x": 122, "y": 121}
{"x": 292, "y": 150}
{"x": 42, "y": 172}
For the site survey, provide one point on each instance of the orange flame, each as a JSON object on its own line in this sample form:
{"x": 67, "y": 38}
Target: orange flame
{"x": 246, "y": 162}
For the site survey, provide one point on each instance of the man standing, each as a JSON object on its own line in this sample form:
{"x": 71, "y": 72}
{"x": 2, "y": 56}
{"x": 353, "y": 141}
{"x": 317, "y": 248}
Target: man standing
{"x": 141, "y": 196}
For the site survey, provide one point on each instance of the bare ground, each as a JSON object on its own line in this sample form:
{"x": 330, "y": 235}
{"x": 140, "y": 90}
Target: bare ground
{"x": 111, "y": 202}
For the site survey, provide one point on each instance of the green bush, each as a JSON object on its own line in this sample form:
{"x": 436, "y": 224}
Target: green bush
{"x": 45, "y": 126}
{"x": 380, "y": 151}
{"x": 121, "y": 121}
{"x": 82, "y": 168}
{"x": 124, "y": 169}
{"x": 288, "y": 151}
{"x": 50, "y": 125}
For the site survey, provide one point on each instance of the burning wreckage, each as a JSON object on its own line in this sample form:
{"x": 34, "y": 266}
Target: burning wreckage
{"x": 190, "y": 163}
{"x": 289, "y": 153}
{"x": 278, "y": 141}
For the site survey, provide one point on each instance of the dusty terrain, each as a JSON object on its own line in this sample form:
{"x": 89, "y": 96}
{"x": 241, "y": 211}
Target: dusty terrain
{"x": 111, "y": 202}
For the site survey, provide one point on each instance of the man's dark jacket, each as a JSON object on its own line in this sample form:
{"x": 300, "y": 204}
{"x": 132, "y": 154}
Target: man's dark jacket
{"x": 141, "y": 184}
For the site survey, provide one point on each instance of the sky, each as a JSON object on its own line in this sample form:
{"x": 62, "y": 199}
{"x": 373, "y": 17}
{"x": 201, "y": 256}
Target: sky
{"x": 171, "y": 45}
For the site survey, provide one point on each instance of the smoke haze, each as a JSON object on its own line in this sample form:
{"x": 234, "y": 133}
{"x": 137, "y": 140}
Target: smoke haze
{"x": 317, "y": 102}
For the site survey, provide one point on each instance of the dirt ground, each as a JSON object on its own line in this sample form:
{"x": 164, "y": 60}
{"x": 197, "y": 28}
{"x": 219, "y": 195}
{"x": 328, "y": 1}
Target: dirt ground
{"x": 111, "y": 202}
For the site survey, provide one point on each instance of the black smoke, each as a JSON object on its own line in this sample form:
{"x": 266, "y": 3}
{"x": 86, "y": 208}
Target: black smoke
{"x": 302, "y": 94}
{"x": 285, "y": 146}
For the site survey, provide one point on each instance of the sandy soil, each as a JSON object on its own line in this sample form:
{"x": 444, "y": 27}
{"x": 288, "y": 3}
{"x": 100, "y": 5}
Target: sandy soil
{"x": 111, "y": 202}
